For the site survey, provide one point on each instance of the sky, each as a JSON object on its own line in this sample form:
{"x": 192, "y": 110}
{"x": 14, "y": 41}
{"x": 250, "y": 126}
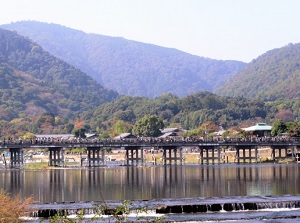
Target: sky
{"x": 217, "y": 29}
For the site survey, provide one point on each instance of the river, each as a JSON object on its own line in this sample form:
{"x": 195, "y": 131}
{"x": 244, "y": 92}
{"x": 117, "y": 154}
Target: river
{"x": 153, "y": 182}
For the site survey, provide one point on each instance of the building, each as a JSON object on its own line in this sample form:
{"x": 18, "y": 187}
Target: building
{"x": 260, "y": 129}
{"x": 125, "y": 136}
{"x": 171, "y": 133}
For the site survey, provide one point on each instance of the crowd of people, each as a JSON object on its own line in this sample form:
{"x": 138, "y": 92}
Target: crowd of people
{"x": 145, "y": 140}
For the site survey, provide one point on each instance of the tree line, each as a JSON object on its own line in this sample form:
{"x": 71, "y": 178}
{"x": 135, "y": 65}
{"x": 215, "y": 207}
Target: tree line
{"x": 128, "y": 114}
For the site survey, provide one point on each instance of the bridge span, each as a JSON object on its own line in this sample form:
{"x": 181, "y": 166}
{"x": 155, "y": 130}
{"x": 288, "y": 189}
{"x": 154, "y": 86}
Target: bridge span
{"x": 210, "y": 151}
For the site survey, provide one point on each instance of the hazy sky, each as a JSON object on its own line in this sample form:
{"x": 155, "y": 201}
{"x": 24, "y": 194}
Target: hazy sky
{"x": 218, "y": 29}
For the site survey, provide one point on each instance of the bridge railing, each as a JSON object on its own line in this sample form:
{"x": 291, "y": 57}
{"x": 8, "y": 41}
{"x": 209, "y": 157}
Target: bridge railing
{"x": 148, "y": 141}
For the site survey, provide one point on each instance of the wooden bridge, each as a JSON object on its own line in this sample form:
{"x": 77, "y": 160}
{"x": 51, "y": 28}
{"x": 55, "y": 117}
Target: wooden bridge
{"x": 210, "y": 152}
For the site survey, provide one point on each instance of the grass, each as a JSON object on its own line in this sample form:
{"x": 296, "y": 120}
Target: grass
{"x": 36, "y": 166}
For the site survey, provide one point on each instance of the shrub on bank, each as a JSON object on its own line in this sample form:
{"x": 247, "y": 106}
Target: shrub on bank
{"x": 12, "y": 208}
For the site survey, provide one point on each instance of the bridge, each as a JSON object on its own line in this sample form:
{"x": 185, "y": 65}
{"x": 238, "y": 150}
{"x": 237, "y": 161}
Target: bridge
{"x": 210, "y": 151}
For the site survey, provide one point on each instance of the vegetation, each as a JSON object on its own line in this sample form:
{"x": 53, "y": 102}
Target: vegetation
{"x": 36, "y": 166}
{"x": 40, "y": 94}
{"x": 138, "y": 69}
{"x": 272, "y": 76}
{"x": 192, "y": 112}
{"x": 33, "y": 82}
{"x": 278, "y": 128}
{"x": 118, "y": 214}
{"x": 148, "y": 126}
{"x": 11, "y": 209}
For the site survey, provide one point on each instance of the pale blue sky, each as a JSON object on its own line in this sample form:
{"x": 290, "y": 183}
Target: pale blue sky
{"x": 218, "y": 29}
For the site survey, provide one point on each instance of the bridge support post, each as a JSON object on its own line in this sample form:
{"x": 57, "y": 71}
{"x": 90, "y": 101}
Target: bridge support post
{"x": 56, "y": 156}
{"x": 134, "y": 155}
{"x": 94, "y": 157}
{"x": 170, "y": 155}
{"x": 246, "y": 155}
{"x": 281, "y": 151}
{"x": 207, "y": 154}
{"x": 16, "y": 157}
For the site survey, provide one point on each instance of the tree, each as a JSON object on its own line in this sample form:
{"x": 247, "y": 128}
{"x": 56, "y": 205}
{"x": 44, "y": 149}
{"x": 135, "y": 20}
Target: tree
{"x": 121, "y": 127}
{"x": 148, "y": 126}
{"x": 28, "y": 135}
{"x": 80, "y": 133}
{"x": 294, "y": 129}
{"x": 278, "y": 127}
{"x": 285, "y": 115}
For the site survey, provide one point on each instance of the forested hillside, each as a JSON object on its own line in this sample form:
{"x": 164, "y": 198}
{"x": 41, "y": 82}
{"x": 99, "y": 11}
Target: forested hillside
{"x": 40, "y": 93}
{"x": 274, "y": 75}
{"x": 130, "y": 67}
{"x": 33, "y": 82}
{"x": 188, "y": 112}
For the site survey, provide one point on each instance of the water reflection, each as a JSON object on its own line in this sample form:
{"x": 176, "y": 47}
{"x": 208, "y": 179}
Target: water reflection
{"x": 119, "y": 183}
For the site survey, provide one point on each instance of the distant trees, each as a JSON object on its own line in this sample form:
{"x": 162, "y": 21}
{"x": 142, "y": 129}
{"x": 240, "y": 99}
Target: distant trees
{"x": 285, "y": 115}
{"x": 294, "y": 131}
{"x": 278, "y": 127}
{"x": 291, "y": 128}
{"x": 272, "y": 76}
{"x": 148, "y": 126}
{"x": 80, "y": 133}
{"x": 121, "y": 127}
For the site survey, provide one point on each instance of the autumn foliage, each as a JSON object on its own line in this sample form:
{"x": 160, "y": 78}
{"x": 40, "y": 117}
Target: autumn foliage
{"x": 11, "y": 209}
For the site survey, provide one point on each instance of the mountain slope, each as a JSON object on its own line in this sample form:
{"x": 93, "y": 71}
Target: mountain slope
{"x": 33, "y": 82}
{"x": 130, "y": 67}
{"x": 273, "y": 75}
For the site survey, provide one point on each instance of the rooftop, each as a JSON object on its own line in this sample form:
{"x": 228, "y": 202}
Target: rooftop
{"x": 258, "y": 127}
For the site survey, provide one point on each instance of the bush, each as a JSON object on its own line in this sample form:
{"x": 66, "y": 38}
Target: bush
{"x": 11, "y": 209}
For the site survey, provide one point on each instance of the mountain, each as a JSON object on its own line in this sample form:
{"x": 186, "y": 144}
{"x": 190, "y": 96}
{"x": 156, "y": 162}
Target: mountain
{"x": 32, "y": 82}
{"x": 274, "y": 75}
{"x": 130, "y": 67}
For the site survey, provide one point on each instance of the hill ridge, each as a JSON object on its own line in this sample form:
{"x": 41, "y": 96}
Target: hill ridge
{"x": 272, "y": 76}
{"x": 130, "y": 67}
{"x": 34, "y": 80}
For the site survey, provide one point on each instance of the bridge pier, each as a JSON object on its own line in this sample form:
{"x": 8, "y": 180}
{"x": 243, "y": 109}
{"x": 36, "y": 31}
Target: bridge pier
{"x": 207, "y": 154}
{"x": 297, "y": 153}
{"x": 244, "y": 153}
{"x": 170, "y": 154}
{"x": 56, "y": 156}
{"x": 94, "y": 157}
{"x": 134, "y": 155}
{"x": 282, "y": 151}
{"x": 16, "y": 157}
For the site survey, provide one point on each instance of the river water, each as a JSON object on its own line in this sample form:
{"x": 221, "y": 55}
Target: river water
{"x": 153, "y": 182}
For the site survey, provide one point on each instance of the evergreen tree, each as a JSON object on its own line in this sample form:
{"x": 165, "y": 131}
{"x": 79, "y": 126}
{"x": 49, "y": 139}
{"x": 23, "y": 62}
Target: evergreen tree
{"x": 278, "y": 127}
{"x": 148, "y": 126}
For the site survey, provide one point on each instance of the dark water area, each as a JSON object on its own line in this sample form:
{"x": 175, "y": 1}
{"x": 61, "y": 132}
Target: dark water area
{"x": 153, "y": 182}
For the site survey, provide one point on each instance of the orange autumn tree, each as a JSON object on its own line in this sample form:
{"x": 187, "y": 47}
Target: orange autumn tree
{"x": 209, "y": 127}
{"x": 79, "y": 128}
{"x": 11, "y": 209}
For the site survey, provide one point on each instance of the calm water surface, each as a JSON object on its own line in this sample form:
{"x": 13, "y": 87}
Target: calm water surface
{"x": 131, "y": 183}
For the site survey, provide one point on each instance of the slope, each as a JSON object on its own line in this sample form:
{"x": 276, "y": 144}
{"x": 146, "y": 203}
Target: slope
{"x": 33, "y": 82}
{"x": 273, "y": 75}
{"x": 130, "y": 67}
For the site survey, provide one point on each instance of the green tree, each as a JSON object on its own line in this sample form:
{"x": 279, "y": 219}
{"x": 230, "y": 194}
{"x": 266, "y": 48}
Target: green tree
{"x": 278, "y": 127}
{"x": 121, "y": 127}
{"x": 149, "y": 125}
{"x": 294, "y": 129}
{"x": 80, "y": 133}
